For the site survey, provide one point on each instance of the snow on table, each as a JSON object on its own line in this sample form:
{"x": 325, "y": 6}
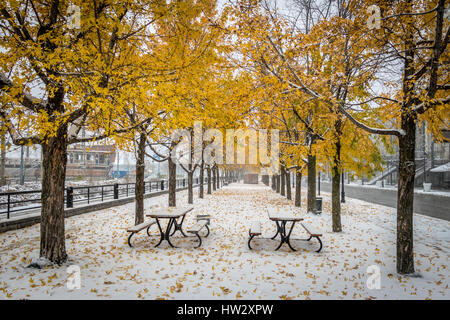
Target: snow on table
{"x": 224, "y": 268}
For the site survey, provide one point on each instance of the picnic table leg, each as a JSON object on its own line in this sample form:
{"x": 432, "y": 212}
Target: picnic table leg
{"x": 160, "y": 231}
{"x": 172, "y": 221}
{"x": 278, "y": 231}
{"x": 284, "y": 237}
{"x": 289, "y": 236}
{"x": 179, "y": 227}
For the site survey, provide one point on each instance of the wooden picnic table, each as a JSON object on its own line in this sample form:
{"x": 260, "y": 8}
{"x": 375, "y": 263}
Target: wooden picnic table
{"x": 281, "y": 219}
{"x": 171, "y": 213}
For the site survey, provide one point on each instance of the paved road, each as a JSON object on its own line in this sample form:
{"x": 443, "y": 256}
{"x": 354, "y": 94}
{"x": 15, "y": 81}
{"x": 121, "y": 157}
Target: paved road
{"x": 431, "y": 205}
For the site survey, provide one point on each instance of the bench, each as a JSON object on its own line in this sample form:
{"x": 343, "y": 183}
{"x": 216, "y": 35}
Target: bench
{"x": 313, "y": 234}
{"x": 135, "y": 229}
{"x": 196, "y": 228}
{"x": 255, "y": 230}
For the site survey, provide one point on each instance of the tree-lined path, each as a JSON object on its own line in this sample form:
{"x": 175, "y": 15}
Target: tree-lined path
{"x": 224, "y": 268}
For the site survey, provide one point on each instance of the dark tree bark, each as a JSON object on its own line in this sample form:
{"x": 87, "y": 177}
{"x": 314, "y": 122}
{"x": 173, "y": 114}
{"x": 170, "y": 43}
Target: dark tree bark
{"x": 405, "y": 196}
{"x": 311, "y": 183}
{"x": 288, "y": 185}
{"x": 140, "y": 186}
{"x": 190, "y": 185}
{"x": 201, "y": 178}
{"x": 214, "y": 178}
{"x": 283, "y": 181}
{"x": 335, "y": 184}
{"x": 172, "y": 183}
{"x": 278, "y": 183}
{"x": 335, "y": 195}
{"x": 298, "y": 188}
{"x": 274, "y": 184}
{"x": 2, "y": 160}
{"x": 208, "y": 172}
{"x": 218, "y": 178}
{"x": 54, "y": 159}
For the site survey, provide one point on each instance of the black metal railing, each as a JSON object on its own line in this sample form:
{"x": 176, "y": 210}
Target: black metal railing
{"x": 24, "y": 201}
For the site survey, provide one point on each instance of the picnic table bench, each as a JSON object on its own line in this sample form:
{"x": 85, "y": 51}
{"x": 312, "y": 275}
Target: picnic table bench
{"x": 171, "y": 213}
{"x": 144, "y": 225}
{"x": 255, "y": 230}
{"x": 135, "y": 229}
{"x": 281, "y": 220}
{"x": 197, "y": 227}
{"x": 313, "y": 234}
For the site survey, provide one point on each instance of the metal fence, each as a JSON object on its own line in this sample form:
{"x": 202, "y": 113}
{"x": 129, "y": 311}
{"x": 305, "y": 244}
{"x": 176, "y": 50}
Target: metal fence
{"x": 23, "y": 202}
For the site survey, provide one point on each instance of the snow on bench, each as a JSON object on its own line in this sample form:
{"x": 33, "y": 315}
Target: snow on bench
{"x": 197, "y": 227}
{"x": 135, "y": 229}
{"x": 141, "y": 226}
{"x": 255, "y": 230}
{"x": 313, "y": 234}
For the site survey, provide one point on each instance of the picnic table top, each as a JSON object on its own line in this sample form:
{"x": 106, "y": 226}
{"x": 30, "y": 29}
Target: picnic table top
{"x": 171, "y": 212}
{"x": 277, "y": 215}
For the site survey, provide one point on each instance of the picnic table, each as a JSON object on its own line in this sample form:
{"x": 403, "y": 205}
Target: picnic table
{"x": 171, "y": 213}
{"x": 281, "y": 219}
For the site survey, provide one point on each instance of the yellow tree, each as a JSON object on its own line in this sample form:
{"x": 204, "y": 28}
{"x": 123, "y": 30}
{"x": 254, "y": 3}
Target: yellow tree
{"x": 59, "y": 67}
{"x": 411, "y": 34}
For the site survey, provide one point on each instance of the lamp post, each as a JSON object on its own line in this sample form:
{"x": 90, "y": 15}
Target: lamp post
{"x": 342, "y": 188}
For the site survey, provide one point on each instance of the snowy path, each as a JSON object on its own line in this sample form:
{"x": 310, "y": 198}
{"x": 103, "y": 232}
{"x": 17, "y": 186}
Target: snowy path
{"x": 224, "y": 268}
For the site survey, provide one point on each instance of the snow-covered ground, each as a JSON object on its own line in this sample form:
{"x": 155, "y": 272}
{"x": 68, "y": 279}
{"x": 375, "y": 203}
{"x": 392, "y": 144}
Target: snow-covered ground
{"x": 224, "y": 267}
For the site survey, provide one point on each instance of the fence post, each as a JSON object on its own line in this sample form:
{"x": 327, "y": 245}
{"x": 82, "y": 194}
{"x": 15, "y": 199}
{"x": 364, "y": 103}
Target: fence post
{"x": 116, "y": 191}
{"x": 9, "y": 204}
{"x": 69, "y": 197}
{"x": 162, "y": 185}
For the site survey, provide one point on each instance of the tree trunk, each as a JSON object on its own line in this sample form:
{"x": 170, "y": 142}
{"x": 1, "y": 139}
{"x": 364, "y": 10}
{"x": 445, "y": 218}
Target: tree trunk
{"x": 336, "y": 199}
{"x": 311, "y": 183}
{"x": 172, "y": 183}
{"x": 2, "y": 160}
{"x": 335, "y": 189}
{"x": 190, "y": 185}
{"x": 208, "y": 172}
{"x": 214, "y": 177}
{"x": 278, "y": 183}
{"x": 298, "y": 188}
{"x": 54, "y": 159}
{"x": 405, "y": 196}
{"x": 218, "y": 178}
{"x": 288, "y": 185}
{"x": 201, "y": 178}
{"x": 283, "y": 181}
{"x": 273, "y": 183}
{"x": 140, "y": 186}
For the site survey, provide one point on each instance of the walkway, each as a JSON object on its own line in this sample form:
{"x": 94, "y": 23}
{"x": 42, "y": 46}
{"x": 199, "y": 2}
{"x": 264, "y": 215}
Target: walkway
{"x": 224, "y": 268}
{"x": 433, "y": 204}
